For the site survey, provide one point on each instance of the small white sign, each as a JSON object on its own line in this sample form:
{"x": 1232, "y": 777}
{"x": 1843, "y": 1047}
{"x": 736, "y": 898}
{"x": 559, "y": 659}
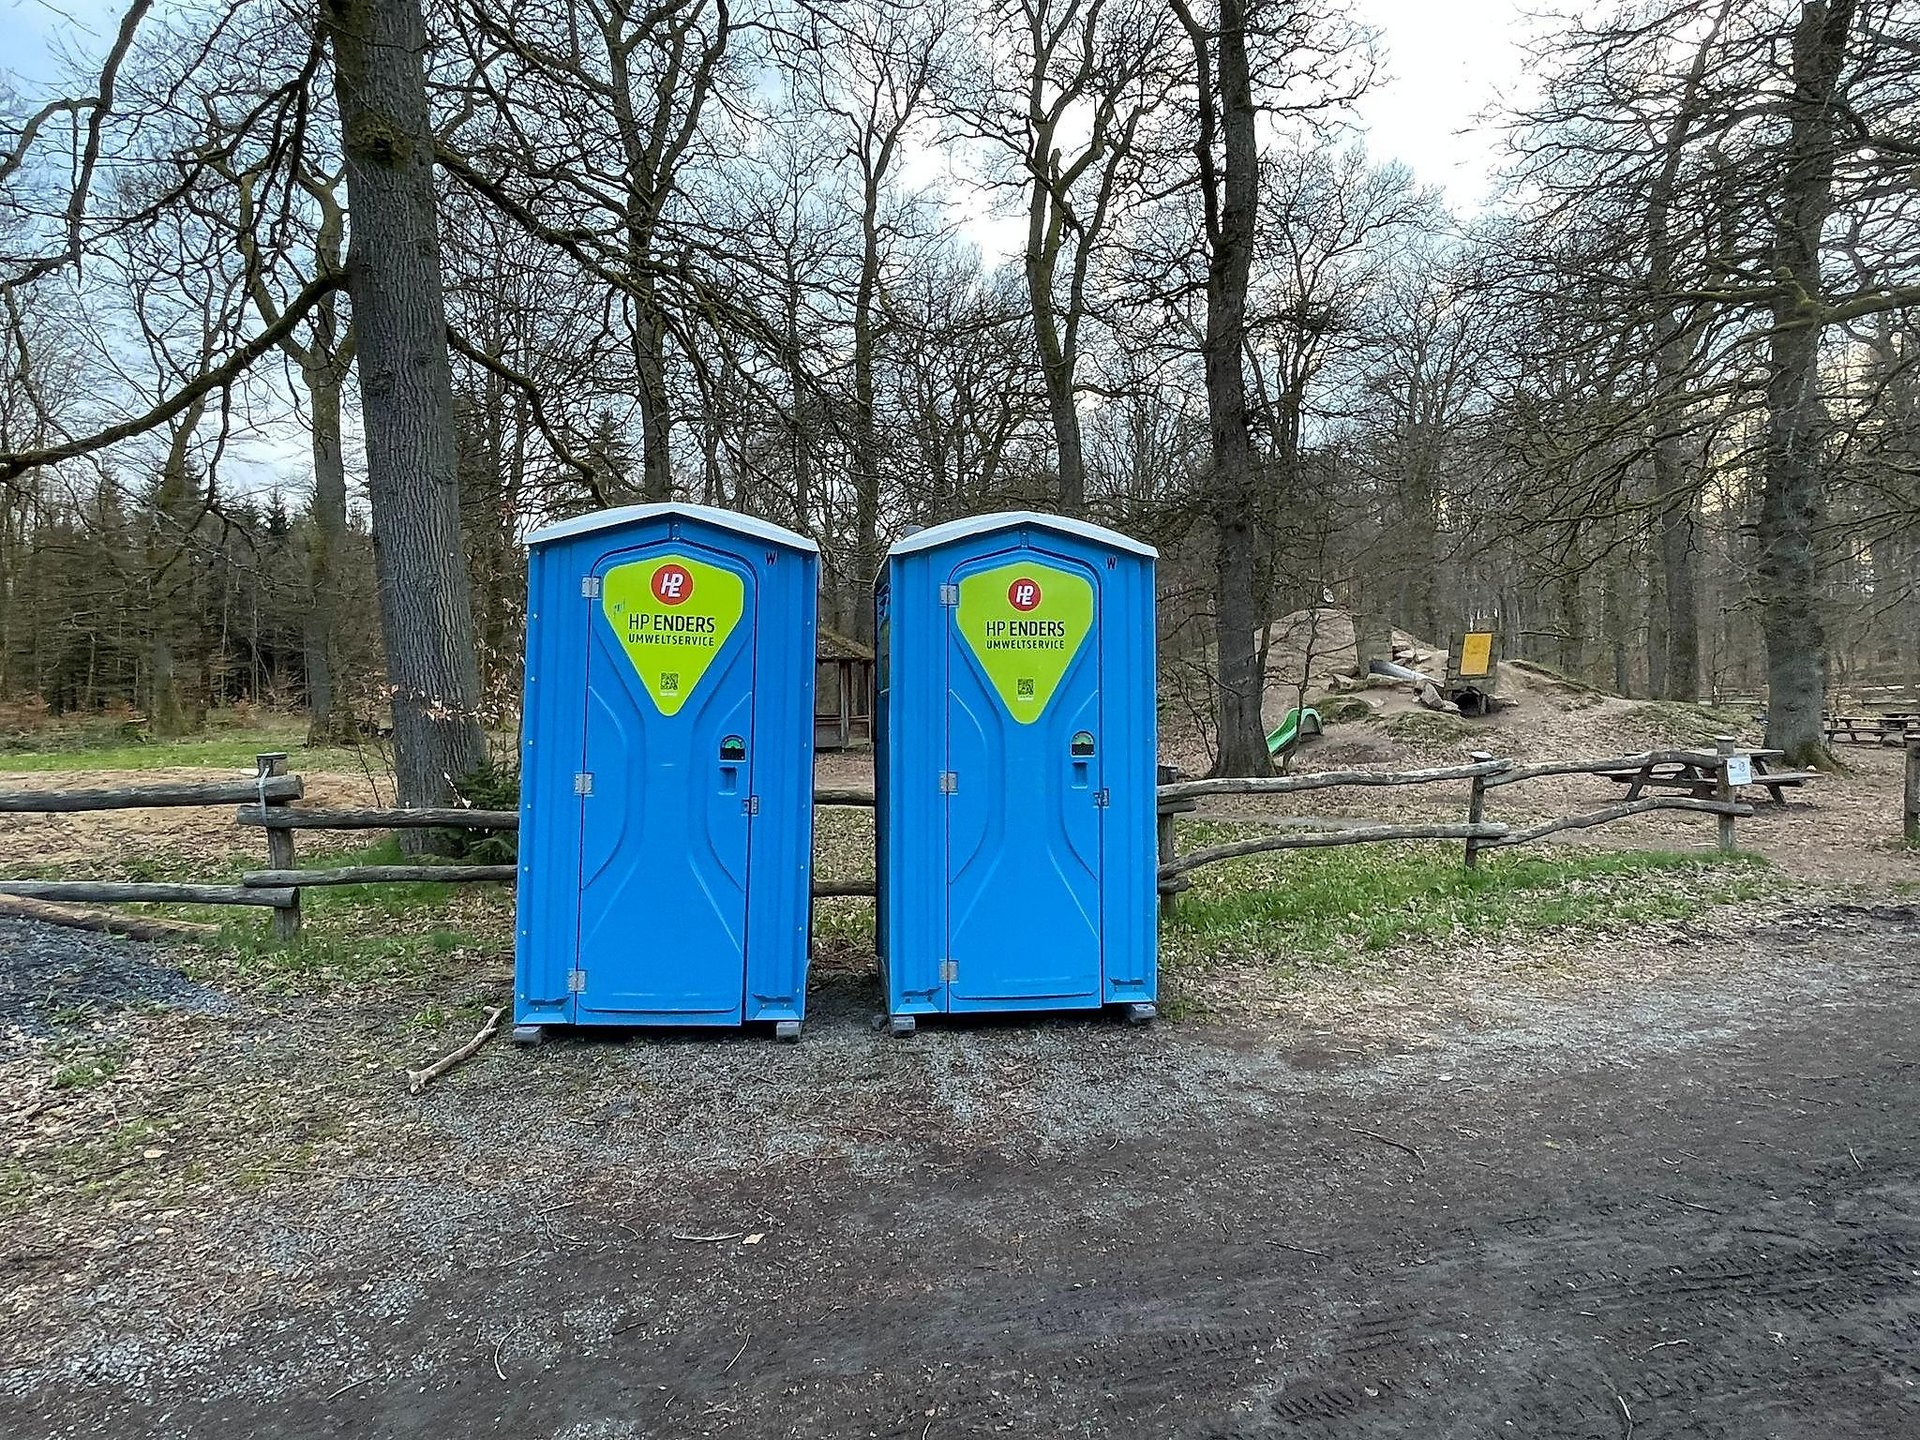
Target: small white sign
{"x": 1739, "y": 769}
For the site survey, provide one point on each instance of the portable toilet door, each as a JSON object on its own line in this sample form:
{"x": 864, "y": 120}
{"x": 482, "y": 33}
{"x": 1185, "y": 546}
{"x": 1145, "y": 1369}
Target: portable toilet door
{"x": 666, "y": 779}
{"x": 1015, "y": 769}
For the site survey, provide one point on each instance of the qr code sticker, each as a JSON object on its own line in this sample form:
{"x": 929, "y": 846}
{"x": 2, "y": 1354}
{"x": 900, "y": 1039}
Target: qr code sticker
{"x": 1023, "y": 688}
{"x": 670, "y": 682}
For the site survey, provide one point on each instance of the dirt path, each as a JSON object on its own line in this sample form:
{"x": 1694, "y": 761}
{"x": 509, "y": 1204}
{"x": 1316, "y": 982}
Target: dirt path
{"x": 1673, "y": 1195}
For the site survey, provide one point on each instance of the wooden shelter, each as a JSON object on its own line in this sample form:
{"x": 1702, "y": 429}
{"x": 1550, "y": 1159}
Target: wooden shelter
{"x": 842, "y": 692}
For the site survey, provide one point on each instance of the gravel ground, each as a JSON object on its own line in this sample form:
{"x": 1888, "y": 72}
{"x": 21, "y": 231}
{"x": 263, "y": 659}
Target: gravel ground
{"x": 52, "y": 976}
{"x": 1637, "y": 1188}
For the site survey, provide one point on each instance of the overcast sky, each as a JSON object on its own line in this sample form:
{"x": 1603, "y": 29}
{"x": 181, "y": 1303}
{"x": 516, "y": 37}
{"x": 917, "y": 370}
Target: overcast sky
{"x": 1446, "y": 64}
{"x": 1447, "y": 61}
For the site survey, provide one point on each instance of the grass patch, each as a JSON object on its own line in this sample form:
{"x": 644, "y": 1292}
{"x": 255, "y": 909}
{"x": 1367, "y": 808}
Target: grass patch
{"x": 1340, "y": 709}
{"x": 1332, "y": 906}
{"x": 844, "y": 923}
{"x": 361, "y": 934}
{"x": 229, "y": 742}
{"x": 84, "y": 1074}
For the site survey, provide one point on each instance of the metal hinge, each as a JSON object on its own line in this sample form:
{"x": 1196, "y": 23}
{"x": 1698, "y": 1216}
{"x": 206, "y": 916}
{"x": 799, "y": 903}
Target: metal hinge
{"x": 576, "y": 982}
{"x": 583, "y": 782}
{"x": 1101, "y": 799}
{"x": 949, "y": 594}
{"x": 751, "y": 805}
{"x": 949, "y": 782}
{"x": 590, "y": 587}
{"x": 949, "y": 971}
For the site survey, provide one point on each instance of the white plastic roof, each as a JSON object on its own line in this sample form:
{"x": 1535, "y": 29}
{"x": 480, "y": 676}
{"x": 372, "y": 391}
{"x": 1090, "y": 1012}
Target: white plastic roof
{"x": 673, "y": 509}
{"x": 1012, "y": 520}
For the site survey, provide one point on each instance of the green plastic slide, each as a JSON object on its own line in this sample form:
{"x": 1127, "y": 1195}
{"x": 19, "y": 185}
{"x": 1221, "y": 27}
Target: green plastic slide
{"x": 1288, "y": 732}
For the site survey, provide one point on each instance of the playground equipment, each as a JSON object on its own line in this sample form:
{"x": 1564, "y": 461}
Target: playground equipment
{"x": 1299, "y": 724}
{"x": 1473, "y": 672}
{"x": 666, "y": 778}
{"x": 1014, "y": 769}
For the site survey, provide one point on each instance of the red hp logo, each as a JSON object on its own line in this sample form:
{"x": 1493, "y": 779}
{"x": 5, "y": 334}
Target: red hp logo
{"x": 672, "y": 584}
{"x": 1023, "y": 594}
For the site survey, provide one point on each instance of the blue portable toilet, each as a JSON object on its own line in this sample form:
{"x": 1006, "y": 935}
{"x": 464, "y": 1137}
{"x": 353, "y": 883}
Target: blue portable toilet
{"x": 1015, "y": 769}
{"x": 666, "y": 773}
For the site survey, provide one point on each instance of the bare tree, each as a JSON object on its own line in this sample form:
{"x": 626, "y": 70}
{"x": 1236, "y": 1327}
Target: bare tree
{"x": 406, "y": 394}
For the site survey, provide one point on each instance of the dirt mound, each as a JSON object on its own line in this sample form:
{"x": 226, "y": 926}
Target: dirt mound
{"x": 1316, "y": 652}
{"x": 1542, "y": 713}
{"x": 1378, "y": 721}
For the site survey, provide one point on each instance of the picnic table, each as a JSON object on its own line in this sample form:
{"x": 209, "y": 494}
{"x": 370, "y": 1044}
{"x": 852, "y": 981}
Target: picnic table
{"x": 1888, "y": 729}
{"x": 1699, "y": 775}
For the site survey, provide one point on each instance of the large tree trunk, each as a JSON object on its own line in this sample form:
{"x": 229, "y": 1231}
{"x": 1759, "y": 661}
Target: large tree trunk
{"x": 1676, "y": 336}
{"x": 174, "y": 618}
{"x": 1057, "y": 370}
{"x": 1655, "y": 580}
{"x": 1234, "y": 201}
{"x": 1792, "y": 494}
{"x": 329, "y": 720}
{"x": 1680, "y": 584}
{"x": 656, "y": 401}
{"x": 406, "y": 397}
{"x": 866, "y": 430}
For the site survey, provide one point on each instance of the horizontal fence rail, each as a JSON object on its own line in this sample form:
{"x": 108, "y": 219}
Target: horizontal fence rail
{"x": 285, "y": 817}
{"x": 1692, "y": 770}
{"x": 1323, "y": 780}
{"x": 383, "y": 875}
{"x": 277, "y": 789}
{"x": 147, "y": 892}
{"x": 266, "y": 802}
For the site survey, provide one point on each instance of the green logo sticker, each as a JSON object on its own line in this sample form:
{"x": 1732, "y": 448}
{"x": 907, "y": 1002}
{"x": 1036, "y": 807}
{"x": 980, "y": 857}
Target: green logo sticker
{"x": 671, "y": 615}
{"x": 1025, "y": 623}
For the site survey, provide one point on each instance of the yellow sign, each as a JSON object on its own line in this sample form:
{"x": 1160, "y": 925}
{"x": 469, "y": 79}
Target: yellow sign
{"x": 1025, "y": 623}
{"x": 671, "y": 615}
{"x": 1476, "y": 653}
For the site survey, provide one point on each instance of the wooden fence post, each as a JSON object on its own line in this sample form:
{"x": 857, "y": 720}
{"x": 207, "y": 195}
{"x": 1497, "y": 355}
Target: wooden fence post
{"x": 1913, "y": 787}
{"x": 1727, "y": 746}
{"x": 286, "y": 918}
{"x": 1163, "y": 831}
{"x": 1477, "y": 807}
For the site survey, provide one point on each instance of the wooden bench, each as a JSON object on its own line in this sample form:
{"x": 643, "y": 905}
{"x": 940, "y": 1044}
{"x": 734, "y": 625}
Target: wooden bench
{"x": 1871, "y": 729}
{"x": 1700, "y": 776}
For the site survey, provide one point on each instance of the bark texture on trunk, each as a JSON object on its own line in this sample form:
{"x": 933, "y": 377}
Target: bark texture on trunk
{"x": 1676, "y": 338}
{"x": 329, "y": 718}
{"x": 176, "y": 705}
{"x": 1680, "y": 582}
{"x": 406, "y": 396}
{"x": 656, "y": 400}
{"x": 1792, "y": 493}
{"x": 866, "y": 429}
{"x": 1057, "y": 365}
{"x": 1230, "y": 194}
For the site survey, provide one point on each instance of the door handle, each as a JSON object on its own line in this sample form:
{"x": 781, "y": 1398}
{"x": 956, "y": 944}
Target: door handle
{"x": 733, "y": 754}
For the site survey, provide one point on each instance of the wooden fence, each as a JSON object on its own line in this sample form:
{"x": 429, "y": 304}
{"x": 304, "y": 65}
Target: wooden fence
{"x": 1911, "y": 805}
{"x": 271, "y": 786}
{"x": 267, "y": 802}
{"x": 1714, "y": 769}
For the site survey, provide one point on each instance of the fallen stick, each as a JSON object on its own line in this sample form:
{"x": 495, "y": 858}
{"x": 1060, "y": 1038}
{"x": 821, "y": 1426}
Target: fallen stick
{"x": 1389, "y": 1140}
{"x": 103, "y": 922}
{"x": 418, "y": 1080}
